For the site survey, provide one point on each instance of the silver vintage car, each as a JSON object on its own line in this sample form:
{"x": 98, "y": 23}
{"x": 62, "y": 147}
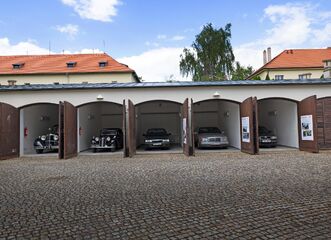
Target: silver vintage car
{"x": 210, "y": 137}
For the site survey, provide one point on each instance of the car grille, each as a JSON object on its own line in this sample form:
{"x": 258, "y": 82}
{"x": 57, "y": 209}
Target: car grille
{"x": 215, "y": 139}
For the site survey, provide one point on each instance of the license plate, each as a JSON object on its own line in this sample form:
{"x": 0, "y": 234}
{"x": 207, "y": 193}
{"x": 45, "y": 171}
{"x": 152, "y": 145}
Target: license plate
{"x": 157, "y": 144}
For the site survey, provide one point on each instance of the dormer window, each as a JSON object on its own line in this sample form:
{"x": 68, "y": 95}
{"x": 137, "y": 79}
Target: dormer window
{"x": 18, "y": 65}
{"x": 71, "y": 64}
{"x": 305, "y": 76}
{"x": 103, "y": 64}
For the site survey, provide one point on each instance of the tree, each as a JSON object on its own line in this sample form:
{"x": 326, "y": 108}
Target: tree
{"x": 267, "y": 77}
{"x": 211, "y": 57}
{"x": 241, "y": 72}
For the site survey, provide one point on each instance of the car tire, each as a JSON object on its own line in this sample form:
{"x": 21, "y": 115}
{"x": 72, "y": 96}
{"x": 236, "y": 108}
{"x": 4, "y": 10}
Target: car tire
{"x": 94, "y": 150}
{"x": 39, "y": 151}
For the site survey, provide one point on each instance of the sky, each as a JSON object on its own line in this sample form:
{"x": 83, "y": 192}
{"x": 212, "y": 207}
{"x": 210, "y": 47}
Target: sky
{"x": 149, "y": 35}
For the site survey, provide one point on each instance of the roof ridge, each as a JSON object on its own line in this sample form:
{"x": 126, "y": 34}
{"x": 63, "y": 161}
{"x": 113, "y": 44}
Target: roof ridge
{"x": 54, "y": 55}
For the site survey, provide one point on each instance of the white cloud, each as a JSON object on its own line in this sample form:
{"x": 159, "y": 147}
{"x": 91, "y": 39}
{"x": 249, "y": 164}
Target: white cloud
{"x": 22, "y": 48}
{"x": 294, "y": 25}
{"x": 99, "y": 10}
{"x": 161, "y": 36}
{"x": 152, "y": 44}
{"x": 69, "y": 29}
{"x": 177, "y": 38}
{"x": 157, "y": 64}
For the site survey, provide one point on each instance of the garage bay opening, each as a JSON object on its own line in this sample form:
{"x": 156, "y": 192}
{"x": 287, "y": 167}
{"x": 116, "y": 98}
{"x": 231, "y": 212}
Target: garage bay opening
{"x": 278, "y": 123}
{"x": 39, "y": 129}
{"x": 100, "y": 128}
{"x": 216, "y": 125}
{"x": 159, "y": 126}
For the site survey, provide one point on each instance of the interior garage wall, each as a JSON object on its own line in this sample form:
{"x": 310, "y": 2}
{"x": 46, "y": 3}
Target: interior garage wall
{"x": 222, "y": 114}
{"x": 95, "y": 116}
{"x": 37, "y": 119}
{"x": 159, "y": 114}
{"x": 280, "y": 116}
{"x": 89, "y": 124}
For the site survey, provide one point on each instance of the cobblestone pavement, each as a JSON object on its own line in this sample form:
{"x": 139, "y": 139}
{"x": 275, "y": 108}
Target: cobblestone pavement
{"x": 283, "y": 195}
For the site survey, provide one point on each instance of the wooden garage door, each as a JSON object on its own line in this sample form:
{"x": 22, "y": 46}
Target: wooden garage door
{"x": 249, "y": 126}
{"x": 307, "y": 120}
{"x": 324, "y": 122}
{"x": 67, "y": 130}
{"x": 186, "y": 129}
{"x": 125, "y": 146}
{"x": 9, "y": 131}
{"x": 192, "y": 129}
{"x": 131, "y": 130}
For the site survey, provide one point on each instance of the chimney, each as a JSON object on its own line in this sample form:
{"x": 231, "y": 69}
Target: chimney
{"x": 264, "y": 57}
{"x": 269, "y": 54}
{"x": 327, "y": 68}
{"x": 11, "y": 82}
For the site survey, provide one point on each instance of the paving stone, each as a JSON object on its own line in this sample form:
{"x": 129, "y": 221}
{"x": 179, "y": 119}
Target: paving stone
{"x": 283, "y": 195}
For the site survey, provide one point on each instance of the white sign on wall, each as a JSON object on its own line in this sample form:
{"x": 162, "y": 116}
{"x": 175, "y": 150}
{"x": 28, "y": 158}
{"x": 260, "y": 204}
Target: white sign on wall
{"x": 307, "y": 133}
{"x": 245, "y": 131}
{"x": 184, "y": 131}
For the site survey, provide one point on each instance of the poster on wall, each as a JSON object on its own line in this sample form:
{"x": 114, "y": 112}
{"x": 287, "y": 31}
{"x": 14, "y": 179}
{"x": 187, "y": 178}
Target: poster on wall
{"x": 307, "y": 128}
{"x": 184, "y": 131}
{"x": 245, "y": 129}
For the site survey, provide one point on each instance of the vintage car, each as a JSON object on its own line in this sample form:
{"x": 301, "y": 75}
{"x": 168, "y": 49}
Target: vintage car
{"x": 109, "y": 138}
{"x": 267, "y": 138}
{"x": 48, "y": 142}
{"x": 210, "y": 137}
{"x": 157, "y": 138}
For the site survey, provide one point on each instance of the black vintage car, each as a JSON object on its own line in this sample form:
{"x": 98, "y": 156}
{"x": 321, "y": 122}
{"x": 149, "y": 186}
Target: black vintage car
{"x": 49, "y": 141}
{"x": 157, "y": 138}
{"x": 267, "y": 138}
{"x": 109, "y": 138}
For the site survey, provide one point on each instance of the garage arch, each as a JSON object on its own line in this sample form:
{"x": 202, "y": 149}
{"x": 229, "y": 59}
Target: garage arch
{"x": 159, "y": 114}
{"x": 94, "y": 116}
{"x": 221, "y": 113}
{"x": 280, "y": 115}
{"x": 35, "y": 120}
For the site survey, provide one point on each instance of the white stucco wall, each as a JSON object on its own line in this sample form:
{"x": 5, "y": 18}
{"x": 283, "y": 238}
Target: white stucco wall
{"x": 68, "y": 78}
{"x": 177, "y": 94}
{"x": 280, "y": 116}
{"x": 31, "y": 119}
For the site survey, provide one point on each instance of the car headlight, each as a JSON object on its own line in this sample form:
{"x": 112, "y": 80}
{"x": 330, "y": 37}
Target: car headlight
{"x": 108, "y": 138}
{"x": 274, "y": 138}
{"x": 43, "y": 138}
{"x": 96, "y": 139}
{"x": 224, "y": 139}
{"x": 93, "y": 142}
{"x": 204, "y": 139}
{"x": 56, "y": 137}
{"x": 166, "y": 140}
{"x": 148, "y": 141}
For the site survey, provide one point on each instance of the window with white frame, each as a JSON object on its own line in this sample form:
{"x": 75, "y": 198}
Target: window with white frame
{"x": 279, "y": 77}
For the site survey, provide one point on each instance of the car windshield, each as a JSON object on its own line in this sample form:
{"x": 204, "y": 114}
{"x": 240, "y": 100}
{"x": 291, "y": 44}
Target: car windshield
{"x": 156, "y": 131}
{"x": 109, "y": 131}
{"x": 263, "y": 130}
{"x": 209, "y": 130}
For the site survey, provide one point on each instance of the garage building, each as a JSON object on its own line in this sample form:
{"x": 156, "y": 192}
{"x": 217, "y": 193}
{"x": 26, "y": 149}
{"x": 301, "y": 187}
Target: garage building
{"x": 298, "y": 111}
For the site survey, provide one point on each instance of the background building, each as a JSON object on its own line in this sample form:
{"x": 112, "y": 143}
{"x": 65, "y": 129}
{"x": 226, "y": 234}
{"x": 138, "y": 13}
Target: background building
{"x": 294, "y": 64}
{"x": 63, "y": 68}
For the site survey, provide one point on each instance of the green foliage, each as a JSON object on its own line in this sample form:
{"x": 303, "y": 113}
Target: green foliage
{"x": 256, "y": 77}
{"x": 322, "y": 76}
{"x": 240, "y": 72}
{"x": 267, "y": 77}
{"x": 211, "y": 57}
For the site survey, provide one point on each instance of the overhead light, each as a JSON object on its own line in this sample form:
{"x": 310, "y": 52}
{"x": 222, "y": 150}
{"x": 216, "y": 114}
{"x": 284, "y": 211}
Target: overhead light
{"x": 99, "y": 97}
{"x": 216, "y": 95}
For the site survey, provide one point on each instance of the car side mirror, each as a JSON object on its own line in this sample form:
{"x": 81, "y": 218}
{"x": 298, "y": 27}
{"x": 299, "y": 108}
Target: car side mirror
{"x": 49, "y": 129}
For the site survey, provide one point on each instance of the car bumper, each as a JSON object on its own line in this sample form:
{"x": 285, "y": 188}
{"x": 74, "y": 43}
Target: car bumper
{"x": 103, "y": 147}
{"x": 157, "y": 145}
{"x": 46, "y": 147}
{"x": 268, "y": 143}
{"x": 213, "y": 144}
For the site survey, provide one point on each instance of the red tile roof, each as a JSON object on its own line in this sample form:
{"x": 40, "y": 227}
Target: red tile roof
{"x": 298, "y": 58}
{"x": 57, "y": 63}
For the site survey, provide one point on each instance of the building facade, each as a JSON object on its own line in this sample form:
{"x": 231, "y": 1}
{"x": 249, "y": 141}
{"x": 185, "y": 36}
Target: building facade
{"x": 63, "y": 69}
{"x": 294, "y": 64}
{"x": 298, "y": 111}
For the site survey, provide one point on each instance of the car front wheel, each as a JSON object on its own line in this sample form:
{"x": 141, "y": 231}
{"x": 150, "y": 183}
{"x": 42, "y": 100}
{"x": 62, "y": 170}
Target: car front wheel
{"x": 39, "y": 151}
